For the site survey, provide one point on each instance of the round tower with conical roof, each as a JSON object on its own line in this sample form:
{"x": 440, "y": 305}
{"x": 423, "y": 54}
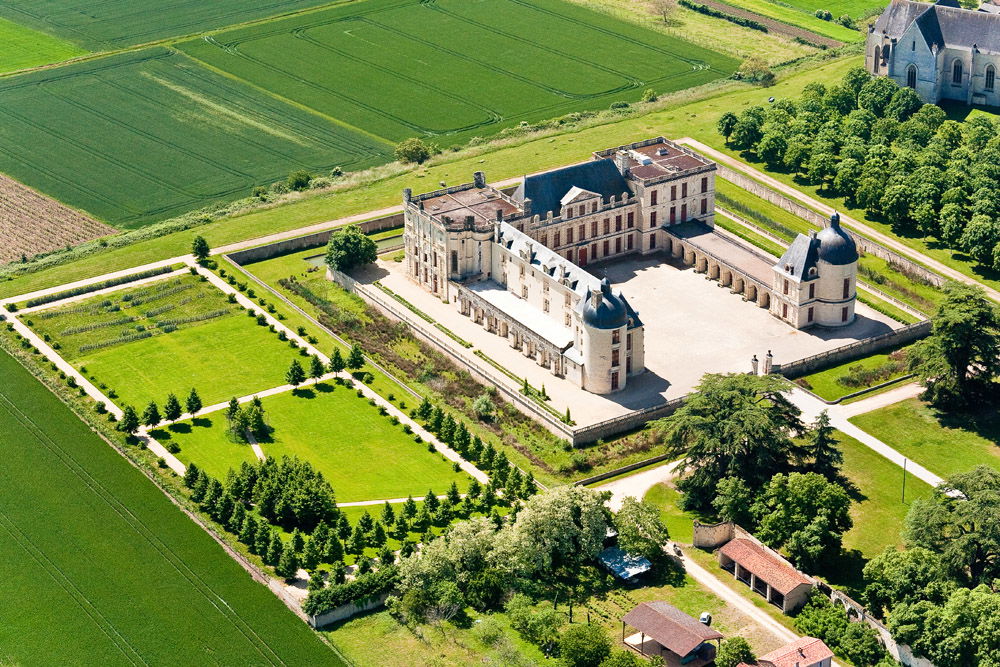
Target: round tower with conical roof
{"x": 605, "y": 326}
{"x": 837, "y": 266}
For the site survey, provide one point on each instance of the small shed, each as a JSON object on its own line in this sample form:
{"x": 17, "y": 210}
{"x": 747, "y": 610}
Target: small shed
{"x": 766, "y": 573}
{"x": 623, "y": 565}
{"x": 666, "y": 631}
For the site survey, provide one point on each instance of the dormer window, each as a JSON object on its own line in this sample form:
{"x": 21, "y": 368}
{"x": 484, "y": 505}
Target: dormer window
{"x": 812, "y": 272}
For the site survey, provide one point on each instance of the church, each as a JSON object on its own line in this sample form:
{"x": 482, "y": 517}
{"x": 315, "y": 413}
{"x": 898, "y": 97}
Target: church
{"x": 942, "y": 51}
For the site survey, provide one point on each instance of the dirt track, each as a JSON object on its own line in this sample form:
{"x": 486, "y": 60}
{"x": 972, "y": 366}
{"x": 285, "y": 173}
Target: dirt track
{"x": 773, "y": 25}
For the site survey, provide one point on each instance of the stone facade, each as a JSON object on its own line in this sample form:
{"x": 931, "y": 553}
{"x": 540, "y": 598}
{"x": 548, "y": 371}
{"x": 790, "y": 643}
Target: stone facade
{"x": 940, "y": 50}
{"x": 515, "y": 262}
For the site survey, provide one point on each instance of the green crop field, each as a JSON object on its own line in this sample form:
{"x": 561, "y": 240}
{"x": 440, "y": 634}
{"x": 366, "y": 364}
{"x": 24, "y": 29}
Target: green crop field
{"x": 22, "y": 47}
{"x": 114, "y": 25}
{"x": 149, "y": 135}
{"x": 361, "y": 453}
{"x": 798, "y": 15}
{"x": 451, "y": 69}
{"x": 853, "y": 8}
{"x": 91, "y": 546}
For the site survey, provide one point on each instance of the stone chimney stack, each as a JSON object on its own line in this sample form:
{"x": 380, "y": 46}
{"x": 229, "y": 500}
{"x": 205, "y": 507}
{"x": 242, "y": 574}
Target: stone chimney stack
{"x": 407, "y": 195}
{"x": 526, "y": 205}
{"x": 479, "y": 179}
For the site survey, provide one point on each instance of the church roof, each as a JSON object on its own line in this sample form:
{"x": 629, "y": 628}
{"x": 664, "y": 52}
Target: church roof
{"x": 944, "y": 24}
{"x": 547, "y": 190}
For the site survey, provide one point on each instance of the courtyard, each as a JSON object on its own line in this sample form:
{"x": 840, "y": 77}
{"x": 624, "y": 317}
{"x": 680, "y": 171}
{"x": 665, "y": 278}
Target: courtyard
{"x": 693, "y": 326}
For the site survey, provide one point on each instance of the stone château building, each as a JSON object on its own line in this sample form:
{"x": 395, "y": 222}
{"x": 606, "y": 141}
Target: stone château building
{"x": 815, "y": 281}
{"x": 940, "y": 50}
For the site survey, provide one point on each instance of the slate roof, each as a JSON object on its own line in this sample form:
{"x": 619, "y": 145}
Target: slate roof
{"x": 547, "y": 190}
{"x": 781, "y": 576}
{"x": 623, "y": 565}
{"x": 670, "y": 627}
{"x": 944, "y": 24}
{"x": 800, "y": 256}
{"x": 555, "y": 265}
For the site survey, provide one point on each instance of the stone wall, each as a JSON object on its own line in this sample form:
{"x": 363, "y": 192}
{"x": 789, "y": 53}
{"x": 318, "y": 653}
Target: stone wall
{"x": 865, "y": 245}
{"x": 314, "y": 240}
{"x": 347, "y": 611}
{"x": 856, "y": 350}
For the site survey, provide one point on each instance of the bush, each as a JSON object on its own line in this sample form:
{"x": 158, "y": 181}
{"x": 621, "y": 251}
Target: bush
{"x": 584, "y": 645}
{"x": 299, "y": 180}
{"x": 824, "y": 14}
{"x": 412, "y": 150}
{"x": 113, "y": 282}
{"x": 755, "y": 70}
{"x": 364, "y": 587}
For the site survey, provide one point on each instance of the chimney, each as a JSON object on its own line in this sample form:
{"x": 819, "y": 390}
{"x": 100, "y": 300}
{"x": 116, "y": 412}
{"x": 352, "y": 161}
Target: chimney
{"x": 407, "y": 195}
{"x": 479, "y": 179}
{"x": 470, "y": 221}
{"x": 595, "y": 298}
{"x": 499, "y": 217}
{"x": 526, "y": 205}
{"x": 621, "y": 158}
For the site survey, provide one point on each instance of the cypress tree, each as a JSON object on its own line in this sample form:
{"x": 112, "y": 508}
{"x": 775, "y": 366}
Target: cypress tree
{"x": 172, "y": 408}
{"x": 263, "y": 539}
{"x": 193, "y": 402}
{"x": 343, "y": 528}
{"x": 409, "y": 508}
{"x": 378, "y": 535}
{"x": 453, "y": 494}
{"x": 298, "y": 542}
{"x": 388, "y": 514}
{"x": 310, "y": 555}
{"x": 333, "y": 551}
{"x": 288, "y": 565}
{"x": 191, "y": 475}
{"x": 431, "y": 501}
{"x": 248, "y": 532}
{"x": 275, "y": 550}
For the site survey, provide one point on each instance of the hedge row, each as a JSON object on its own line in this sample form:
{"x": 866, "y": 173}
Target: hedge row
{"x": 139, "y": 335}
{"x": 104, "y": 284}
{"x": 193, "y": 318}
{"x": 162, "y": 294}
{"x": 710, "y": 11}
{"x": 363, "y": 587}
{"x": 96, "y": 325}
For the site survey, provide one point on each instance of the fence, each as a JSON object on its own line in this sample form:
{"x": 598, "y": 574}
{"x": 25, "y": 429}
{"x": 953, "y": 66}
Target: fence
{"x": 856, "y": 350}
{"x": 866, "y": 245}
{"x": 314, "y": 240}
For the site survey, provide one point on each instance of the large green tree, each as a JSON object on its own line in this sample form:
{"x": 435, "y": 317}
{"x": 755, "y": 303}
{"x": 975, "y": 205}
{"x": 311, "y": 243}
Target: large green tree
{"x": 805, "y": 515}
{"x": 348, "y": 248}
{"x": 735, "y": 425}
{"x": 640, "y": 529}
{"x": 961, "y": 522}
{"x": 895, "y": 577}
{"x": 959, "y": 362}
{"x": 584, "y": 645}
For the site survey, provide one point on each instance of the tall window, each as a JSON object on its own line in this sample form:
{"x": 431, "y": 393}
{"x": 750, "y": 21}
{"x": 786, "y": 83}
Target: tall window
{"x": 615, "y": 358}
{"x": 652, "y": 198}
{"x": 991, "y": 77}
{"x": 616, "y": 336}
{"x": 555, "y": 240}
{"x": 911, "y": 76}
{"x": 652, "y": 219}
{"x": 956, "y": 72}
{"x": 704, "y": 206}
{"x": 607, "y": 225}
{"x": 704, "y": 184}
{"x": 569, "y": 235}
{"x": 630, "y": 219}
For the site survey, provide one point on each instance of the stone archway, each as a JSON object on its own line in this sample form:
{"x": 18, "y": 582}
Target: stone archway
{"x": 765, "y": 300}
{"x": 714, "y": 270}
{"x": 751, "y": 292}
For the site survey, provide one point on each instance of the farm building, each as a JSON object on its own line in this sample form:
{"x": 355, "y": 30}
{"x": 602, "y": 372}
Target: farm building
{"x": 766, "y": 573}
{"x": 667, "y": 632}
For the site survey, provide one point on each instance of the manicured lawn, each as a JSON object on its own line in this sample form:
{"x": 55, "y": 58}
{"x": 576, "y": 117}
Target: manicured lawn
{"x": 22, "y": 47}
{"x": 879, "y": 509}
{"x": 225, "y": 357}
{"x": 399, "y": 69}
{"x": 825, "y": 385}
{"x": 684, "y": 116}
{"x": 679, "y": 523}
{"x": 91, "y": 545}
{"x": 748, "y": 235}
{"x": 943, "y": 444}
{"x": 212, "y": 456}
{"x": 361, "y": 453}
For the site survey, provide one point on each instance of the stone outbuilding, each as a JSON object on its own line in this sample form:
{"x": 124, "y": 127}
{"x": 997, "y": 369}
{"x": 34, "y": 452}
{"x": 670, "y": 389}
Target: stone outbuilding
{"x": 766, "y": 573}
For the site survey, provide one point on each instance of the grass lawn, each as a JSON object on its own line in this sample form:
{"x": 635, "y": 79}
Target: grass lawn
{"x": 214, "y": 457}
{"x": 225, "y": 357}
{"x": 679, "y": 523}
{"x": 22, "y": 47}
{"x": 687, "y": 114}
{"x": 825, "y": 385}
{"x": 943, "y": 444}
{"x": 748, "y": 235}
{"x": 135, "y": 580}
{"x": 361, "y": 453}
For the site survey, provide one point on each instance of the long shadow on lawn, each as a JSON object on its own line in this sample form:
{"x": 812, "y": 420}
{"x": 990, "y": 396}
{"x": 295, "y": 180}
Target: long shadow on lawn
{"x": 985, "y": 422}
{"x": 304, "y": 392}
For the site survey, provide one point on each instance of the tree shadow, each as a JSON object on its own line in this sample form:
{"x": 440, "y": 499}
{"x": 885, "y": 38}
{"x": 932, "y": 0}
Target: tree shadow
{"x": 304, "y": 392}
{"x": 323, "y": 387}
{"x": 846, "y": 570}
{"x": 159, "y": 434}
{"x": 202, "y": 422}
{"x": 181, "y": 427}
{"x": 984, "y": 422}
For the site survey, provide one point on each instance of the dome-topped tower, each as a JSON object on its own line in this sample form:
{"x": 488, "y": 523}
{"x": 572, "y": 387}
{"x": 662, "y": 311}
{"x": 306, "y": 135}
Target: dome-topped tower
{"x": 604, "y": 310}
{"x": 835, "y": 245}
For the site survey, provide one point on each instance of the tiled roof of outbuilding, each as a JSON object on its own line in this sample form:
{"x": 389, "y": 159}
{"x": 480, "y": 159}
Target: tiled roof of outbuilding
{"x": 781, "y": 576}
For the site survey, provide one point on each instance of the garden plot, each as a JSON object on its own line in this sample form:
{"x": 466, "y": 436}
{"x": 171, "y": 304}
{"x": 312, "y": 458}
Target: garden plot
{"x": 166, "y": 337}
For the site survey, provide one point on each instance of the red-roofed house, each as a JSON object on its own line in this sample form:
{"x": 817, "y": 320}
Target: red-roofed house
{"x": 766, "y": 573}
{"x": 803, "y": 652}
{"x": 666, "y": 631}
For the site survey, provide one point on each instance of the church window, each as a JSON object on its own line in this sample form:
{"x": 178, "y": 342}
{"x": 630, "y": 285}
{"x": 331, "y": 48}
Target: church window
{"x": 991, "y": 77}
{"x": 911, "y": 76}
{"x": 652, "y": 198}
{"x": 956, "y": 72}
